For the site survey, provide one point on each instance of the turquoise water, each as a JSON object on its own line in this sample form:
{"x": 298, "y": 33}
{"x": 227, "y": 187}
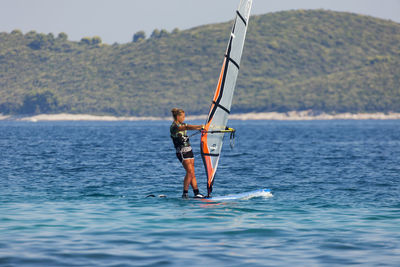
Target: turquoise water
{"x": 73, "y": 194}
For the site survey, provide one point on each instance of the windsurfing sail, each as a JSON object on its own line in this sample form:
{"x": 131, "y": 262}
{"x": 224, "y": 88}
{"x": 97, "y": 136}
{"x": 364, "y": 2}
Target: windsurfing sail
{"x": 215, "y": 127}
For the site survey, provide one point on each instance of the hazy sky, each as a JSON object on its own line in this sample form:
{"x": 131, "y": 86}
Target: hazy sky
{"x": 118, "y": 20}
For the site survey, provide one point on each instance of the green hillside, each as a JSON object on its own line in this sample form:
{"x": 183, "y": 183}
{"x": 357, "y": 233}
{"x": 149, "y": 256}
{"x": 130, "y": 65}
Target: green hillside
{"x": 293, "y": 60}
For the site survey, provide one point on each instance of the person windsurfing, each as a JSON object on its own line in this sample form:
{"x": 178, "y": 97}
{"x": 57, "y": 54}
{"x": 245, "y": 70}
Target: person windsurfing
{"x": 184, "y": 151}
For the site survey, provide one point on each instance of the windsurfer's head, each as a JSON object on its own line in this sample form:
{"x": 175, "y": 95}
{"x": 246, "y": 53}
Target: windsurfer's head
{"x": 178, "y": 114}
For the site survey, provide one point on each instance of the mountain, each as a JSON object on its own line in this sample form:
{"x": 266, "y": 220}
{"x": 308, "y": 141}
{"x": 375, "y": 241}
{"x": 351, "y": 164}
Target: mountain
{"x": 293, "y": 60}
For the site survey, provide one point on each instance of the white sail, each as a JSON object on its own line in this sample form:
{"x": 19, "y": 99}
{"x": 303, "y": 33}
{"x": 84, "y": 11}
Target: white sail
{"x": 212, "y": 137}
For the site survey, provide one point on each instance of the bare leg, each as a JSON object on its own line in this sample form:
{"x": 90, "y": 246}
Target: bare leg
{"x": 194, "y": 182}
{"x": 190, "y": 178}
{"x": 186, "y": 182}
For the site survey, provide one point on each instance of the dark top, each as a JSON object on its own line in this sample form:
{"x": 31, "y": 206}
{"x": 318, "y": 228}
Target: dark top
{"x": 179, "y": 138}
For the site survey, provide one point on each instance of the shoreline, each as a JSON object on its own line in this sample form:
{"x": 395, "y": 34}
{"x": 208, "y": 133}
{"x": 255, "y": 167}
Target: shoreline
{"x": 289, "y": 116}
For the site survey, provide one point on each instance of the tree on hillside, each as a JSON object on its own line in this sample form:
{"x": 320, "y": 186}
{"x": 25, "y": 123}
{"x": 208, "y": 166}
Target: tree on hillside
{"x": 159, "y": 34}
{"x": 31, "y": 34}
{"x": 41, "y": 101}
{"x": 96, "y": 40}
{"x": 86, "y": 40}
{"x": 41, "y": 41}
{"x": 9, "y": 108}
{"x": 155, "y": 34}
{"x": 140, "y": 35}
{"x": 62, "y": 36}
{"x": 16, "y": 32}
{"x": 164, "y": 33}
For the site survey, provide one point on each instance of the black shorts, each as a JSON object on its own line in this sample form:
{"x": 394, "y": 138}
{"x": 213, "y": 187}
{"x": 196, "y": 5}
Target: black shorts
{"x": 185, "y": 154}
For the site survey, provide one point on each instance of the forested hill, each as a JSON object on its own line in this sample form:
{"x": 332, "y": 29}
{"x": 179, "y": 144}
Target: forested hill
{"x": 293, "y": 60}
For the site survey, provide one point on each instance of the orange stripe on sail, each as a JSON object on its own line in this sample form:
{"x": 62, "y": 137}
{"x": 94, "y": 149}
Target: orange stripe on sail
{"x": 207, "y": 159}
{"x": 219, "y": 82}
{"x": 207, "y": 126}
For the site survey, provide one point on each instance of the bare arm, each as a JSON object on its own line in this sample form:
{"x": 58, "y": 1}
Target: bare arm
{"x": 190, "y": 127}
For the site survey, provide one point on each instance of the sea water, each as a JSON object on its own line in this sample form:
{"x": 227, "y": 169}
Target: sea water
{"x": 74, "y": 194}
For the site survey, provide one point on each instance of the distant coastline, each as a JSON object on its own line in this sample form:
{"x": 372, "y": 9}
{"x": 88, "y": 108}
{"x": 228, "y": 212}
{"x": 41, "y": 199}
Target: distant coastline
{"x": 288, "y": 116}
{"x": 344, "y": 72}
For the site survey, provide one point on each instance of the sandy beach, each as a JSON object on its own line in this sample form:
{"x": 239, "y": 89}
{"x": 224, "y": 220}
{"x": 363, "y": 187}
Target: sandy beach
{"x": 293, "y": 115}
